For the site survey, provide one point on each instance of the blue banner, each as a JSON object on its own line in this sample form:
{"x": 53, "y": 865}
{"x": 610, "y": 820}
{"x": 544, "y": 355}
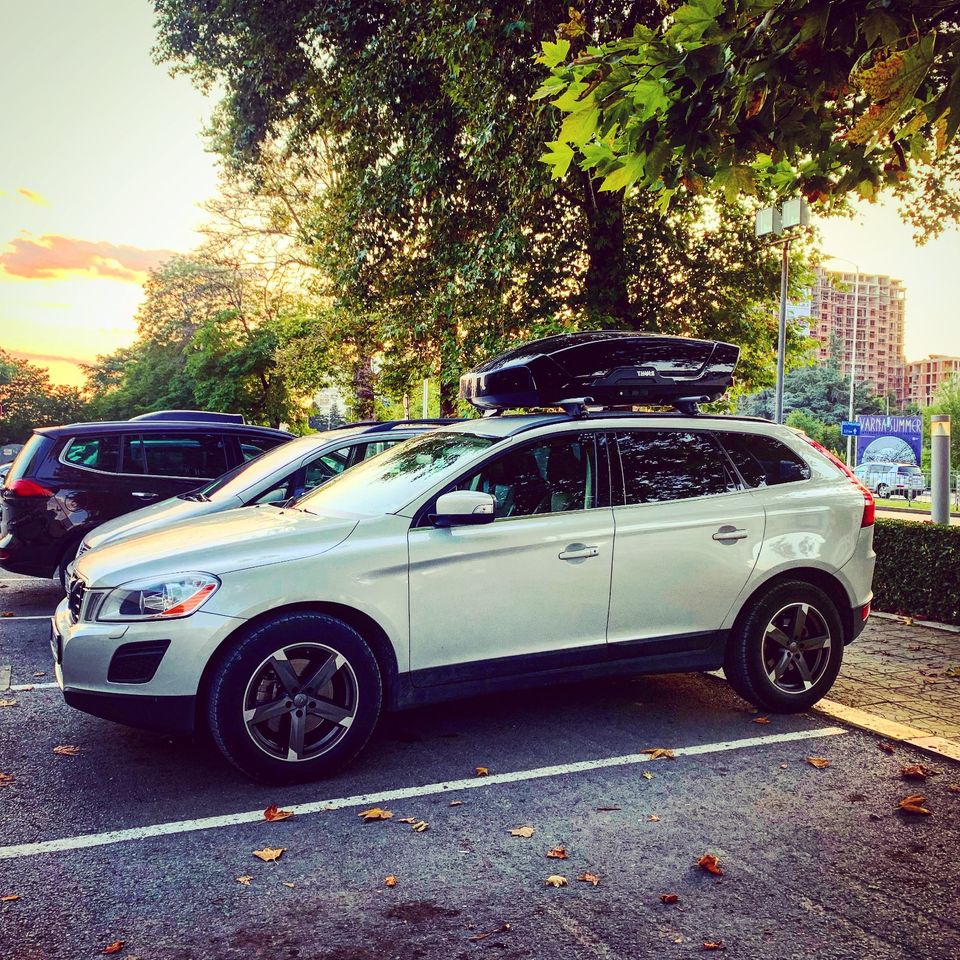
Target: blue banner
{"x": 889, "y": 439}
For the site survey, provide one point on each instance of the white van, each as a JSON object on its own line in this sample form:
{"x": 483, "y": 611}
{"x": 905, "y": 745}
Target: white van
{"x": 891, "y": 479}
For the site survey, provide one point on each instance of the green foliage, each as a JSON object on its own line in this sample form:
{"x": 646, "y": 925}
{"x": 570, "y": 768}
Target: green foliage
{"x": 918, "y": 569}
{"x": 28, "y": 399}
{"x": 946, "y": 401}
{"x": 751, "y": 97}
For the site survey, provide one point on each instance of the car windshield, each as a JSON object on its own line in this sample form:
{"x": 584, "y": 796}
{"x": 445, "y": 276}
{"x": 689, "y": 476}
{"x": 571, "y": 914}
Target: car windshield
{"x": 389, "y": 482}
{"x": 243, "y": 477}
{"x": 908, "y": 471}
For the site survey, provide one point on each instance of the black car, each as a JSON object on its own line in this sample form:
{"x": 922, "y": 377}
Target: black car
{"x": 67, "y": 480}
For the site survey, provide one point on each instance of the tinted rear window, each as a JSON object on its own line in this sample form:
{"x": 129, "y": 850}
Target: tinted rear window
{"x": 671, "y": 465}
{"x": 28, "y": 459}
{"x": 764, "y": 461}
{"x": 199, "y": 456}
{"x": 93, "y": 452}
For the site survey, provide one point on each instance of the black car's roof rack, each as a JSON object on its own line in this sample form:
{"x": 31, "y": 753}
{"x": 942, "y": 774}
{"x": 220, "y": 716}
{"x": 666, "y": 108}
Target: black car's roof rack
{"x": 382, "y": 426}
{"x": 191, "y": 416}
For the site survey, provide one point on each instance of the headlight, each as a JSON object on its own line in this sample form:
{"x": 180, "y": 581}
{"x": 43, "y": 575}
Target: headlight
{"x": 158, "y": 598}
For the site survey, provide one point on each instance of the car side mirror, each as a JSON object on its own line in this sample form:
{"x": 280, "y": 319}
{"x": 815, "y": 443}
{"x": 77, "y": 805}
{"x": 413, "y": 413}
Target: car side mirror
{"x": 464, "y": 507}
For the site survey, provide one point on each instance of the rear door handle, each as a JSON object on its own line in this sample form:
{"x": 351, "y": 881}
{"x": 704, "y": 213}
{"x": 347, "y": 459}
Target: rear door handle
{"x": 579, "y": 551}
{"x": 728, "y": 534}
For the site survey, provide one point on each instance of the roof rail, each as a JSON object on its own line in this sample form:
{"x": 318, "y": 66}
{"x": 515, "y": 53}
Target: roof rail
{"x": 191, "y": 416}
{"x": 385, "y": 425}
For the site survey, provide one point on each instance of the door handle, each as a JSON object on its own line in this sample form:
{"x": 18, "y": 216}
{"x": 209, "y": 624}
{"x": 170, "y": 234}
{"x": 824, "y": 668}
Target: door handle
{"x": 728, "y": 534}
{"x": 578, "y": 551}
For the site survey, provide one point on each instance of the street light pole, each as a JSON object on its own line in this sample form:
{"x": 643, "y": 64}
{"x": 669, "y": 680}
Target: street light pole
{"x": 782, "y": 333}
{"x": 853, "y": 356}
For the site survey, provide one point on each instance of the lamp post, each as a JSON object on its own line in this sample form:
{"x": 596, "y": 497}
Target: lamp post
{"x": 853, "y": 347}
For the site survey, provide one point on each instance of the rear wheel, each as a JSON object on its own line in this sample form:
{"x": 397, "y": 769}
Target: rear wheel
{"x": 295, "y": 699}
{"x": 785, "y": 654}
{"x": 883, "y": 491}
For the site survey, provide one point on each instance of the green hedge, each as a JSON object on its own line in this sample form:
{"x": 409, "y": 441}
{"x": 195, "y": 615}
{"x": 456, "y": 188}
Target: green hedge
{"x": 918, "y": 570}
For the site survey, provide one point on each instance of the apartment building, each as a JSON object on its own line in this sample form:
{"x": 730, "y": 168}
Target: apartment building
{"x": 880, "y": 304}
{"x": 922, "y": 379}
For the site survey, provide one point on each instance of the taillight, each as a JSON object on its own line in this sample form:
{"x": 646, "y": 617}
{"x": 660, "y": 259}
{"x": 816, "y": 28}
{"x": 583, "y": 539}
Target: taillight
{"x": 869, "y": 505}
{"x": 29, "y": 488}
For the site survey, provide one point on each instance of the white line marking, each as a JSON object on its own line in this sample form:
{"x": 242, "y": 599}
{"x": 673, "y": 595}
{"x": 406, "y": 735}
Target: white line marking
{"x": 23, "y": 687}
{"x": 384, "y": 796}
{"x": 5, "y": 672}
{"x": 34, "y": 616}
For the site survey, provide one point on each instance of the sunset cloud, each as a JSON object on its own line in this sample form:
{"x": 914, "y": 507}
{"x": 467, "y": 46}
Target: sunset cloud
{"x": 51, "y": 257}
{"x": 33, "y": 196}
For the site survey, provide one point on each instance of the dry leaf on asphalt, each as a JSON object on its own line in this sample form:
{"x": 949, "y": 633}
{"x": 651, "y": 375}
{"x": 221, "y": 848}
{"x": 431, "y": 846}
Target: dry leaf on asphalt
{"x": 556, "y": 881}
{"x": 6, "y": 779}
{"x": 954, "y": 787}
{"x": 390, "y": 881}
{"x": 589, "y": 878}
{"x": 557, "y": 853}
{"x": 7, "y": 613}
{"x": 819, "y": 762}
{"x": 456, "y": 803}
{"x": 658, "y": 753}
{"x": 40, "y": 673}
{"x": 886, "y": 746}
{"x": 10, "y": 897}
{"x": 8, "y": 703}
{"x": 273, "y": 812}
{"x": 713, "y": 945}
{"x": 525, "y": 832}
{"x": 916, "y": 771}
{"x": 288, "y": 883}
{"x": 375, "y": 813}
{"x": 66, "y": 750}
{"x": 653, "y": 818}
{"x": 407, "y": 820}
{"x": 421, "y": 826}
{"x": 761, "y": 720}
{"x": 647, "y": 775}
{"x": 481, "y": 772}
{"x": 952, "y": 672}
{"x": 669, "y": 898}
{"x": 245, "y": 880}
{"x": 914, "y": 804}
{"x": 114, "y": 947}
{"x": 269, "y": 854}
{"x": 711, "y": 864}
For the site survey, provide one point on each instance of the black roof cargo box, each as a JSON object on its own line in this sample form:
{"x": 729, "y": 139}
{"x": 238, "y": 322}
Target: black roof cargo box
{"x": 603, "y": 367}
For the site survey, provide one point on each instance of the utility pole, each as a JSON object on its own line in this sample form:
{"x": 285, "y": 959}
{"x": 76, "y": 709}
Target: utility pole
{"x": 940, "y": 468}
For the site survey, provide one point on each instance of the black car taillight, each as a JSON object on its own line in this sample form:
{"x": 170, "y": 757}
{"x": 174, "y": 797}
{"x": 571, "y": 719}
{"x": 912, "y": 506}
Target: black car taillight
{"x": 28, "y": 488}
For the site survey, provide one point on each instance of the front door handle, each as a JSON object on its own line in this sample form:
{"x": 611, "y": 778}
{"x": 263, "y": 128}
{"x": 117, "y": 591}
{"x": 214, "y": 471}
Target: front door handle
{"x": 728, "y": 534}
{"x": 578, "y": 551}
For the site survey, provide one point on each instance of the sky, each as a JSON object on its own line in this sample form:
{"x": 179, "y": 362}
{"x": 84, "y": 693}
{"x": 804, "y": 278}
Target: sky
{"x": 103, "y": 169}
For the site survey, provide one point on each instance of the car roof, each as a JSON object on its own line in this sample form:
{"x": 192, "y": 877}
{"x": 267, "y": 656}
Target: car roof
{"x": 158, "y": 426}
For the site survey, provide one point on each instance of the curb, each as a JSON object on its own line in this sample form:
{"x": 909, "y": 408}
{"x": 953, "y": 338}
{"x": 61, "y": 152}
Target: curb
{"x": 910, "y": 622}
{"x": 889, "y": 729}
{"x": 912, "y": 512}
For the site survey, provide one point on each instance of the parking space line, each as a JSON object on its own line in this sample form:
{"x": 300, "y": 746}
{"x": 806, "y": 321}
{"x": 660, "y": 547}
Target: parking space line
{"x": 18, "y": 851}
{"x": 23, "y": 687}
{"x": 32, "y": 616}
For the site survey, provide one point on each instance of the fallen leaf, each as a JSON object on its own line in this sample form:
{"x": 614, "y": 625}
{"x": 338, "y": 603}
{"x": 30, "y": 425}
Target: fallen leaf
{"x": 669, "y": 898}
{"x": 390, "y": 881}
{"x": 114, "y": 947}
{"x": 8, "y": 703}
{"x": 456, "y": 803}
{"x": 711, "y": 864}
{"x": 482, "y": 772}
{"x": 761, "y": 720}
{"x": 245, "y": 880}
{"x": 6, "y": 779}
{"x": 273, "y": 812}
{"x": 914, "y": 804}
{"x": 653, "y": 818}
{"x": 658, "y": 753}
{"x": 954, "y": 787}
{"x": 479, "y": 936}
{"x": 886, "y": 746}
{"x": 525, "y": 832}
{"x": 421, "y": 826}
{"x": 288, "y": 883}
{"x": 713, "y": 945}
{"x": 916, "y": 771}
{"x": 589, "y": 878}
{"x": 819, "y": 762}
{"x": 269, "y": 854}
{"x": 40, "y": 673}
{"x": 647, "y": 775}
{"x": 555, "y": 881}
{"x": 608, "y": 809}
{"x": 10, "y": 897}
{"x": 66, "y": 750}
{"x": 7, "y": 613}
{"x": 952, "y": 672}
{"x": 407, "y": 820}
{"x": 375, "y": 813}
{"x": 557, "y": 853}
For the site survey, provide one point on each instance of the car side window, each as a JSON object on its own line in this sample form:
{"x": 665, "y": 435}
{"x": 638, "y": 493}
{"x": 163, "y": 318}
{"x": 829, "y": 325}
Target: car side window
{"x": 251, "y": 447}
{"x": 552, "y": 476}
{"x": 364, "y": 451}
{"x": 199, "y": 456}
{"x": 661, "y": 465}
{"x": 764, "y": 461}
{"x": 95, "y": 453}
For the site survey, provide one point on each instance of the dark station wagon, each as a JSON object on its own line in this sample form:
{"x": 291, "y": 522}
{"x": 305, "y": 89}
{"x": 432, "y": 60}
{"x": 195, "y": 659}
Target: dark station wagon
{"x": 68, "y": 480}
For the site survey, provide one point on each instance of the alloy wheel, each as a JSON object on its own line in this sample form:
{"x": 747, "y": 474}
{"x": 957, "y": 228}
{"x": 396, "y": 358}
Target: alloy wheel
{"x": 796, "y": 648}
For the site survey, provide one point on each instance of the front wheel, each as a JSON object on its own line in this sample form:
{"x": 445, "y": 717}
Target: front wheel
{"x": 883, "y": 491}
{"x": 295, "y": 699}
{"x": 785, "y": 653}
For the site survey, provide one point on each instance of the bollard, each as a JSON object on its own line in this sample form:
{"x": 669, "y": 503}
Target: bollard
{"x": 940, "y": 468}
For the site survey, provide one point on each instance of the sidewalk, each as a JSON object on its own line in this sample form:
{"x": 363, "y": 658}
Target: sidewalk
{"x": 904, "y": 672}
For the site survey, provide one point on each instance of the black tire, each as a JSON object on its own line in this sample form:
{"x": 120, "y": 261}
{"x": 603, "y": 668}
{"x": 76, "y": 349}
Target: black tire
{"x": 754, "y": 649}
{"x": 883, "y": 491}
{"x": 251, "y": 678}
{"x": 66, "y": 558}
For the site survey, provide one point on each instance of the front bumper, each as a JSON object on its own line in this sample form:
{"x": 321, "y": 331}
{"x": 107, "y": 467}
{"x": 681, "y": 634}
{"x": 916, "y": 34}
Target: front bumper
{"x": 83, "y": 653}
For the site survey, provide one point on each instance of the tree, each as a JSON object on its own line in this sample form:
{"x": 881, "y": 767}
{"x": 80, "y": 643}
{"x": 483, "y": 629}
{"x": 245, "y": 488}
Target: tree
{"x": 755, "y": 97}
{"x": 28, "y": 399}
{"x": 438, "y": 237}
{"x": 947, "y": 401}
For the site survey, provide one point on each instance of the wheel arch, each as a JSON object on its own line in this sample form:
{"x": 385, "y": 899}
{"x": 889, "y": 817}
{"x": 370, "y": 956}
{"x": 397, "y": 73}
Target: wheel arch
{"x": 363, "y": 623}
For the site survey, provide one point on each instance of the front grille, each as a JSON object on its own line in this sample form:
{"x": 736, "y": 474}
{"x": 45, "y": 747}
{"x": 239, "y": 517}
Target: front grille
{"x": 75, "y": 598}
{"x": 82, "y": 549}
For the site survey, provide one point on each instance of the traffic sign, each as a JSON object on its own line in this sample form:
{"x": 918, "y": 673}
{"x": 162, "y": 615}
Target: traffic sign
{"x": 849, "y": 428}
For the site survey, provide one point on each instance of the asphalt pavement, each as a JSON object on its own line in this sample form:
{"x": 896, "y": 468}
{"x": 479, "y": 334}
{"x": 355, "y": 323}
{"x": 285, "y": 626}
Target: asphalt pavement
{"x": 141, "y": 838}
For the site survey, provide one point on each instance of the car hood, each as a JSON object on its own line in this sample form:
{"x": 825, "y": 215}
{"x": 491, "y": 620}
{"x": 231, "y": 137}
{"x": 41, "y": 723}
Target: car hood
{"x": 153, "y": 517}
{"x": 217, "y": 544}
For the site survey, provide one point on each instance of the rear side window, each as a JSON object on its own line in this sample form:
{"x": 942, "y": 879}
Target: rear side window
{"x": 94, "y": 453}
{"x": 251, "y": 447}
{"x": 28, "y": 459}
{"x": 661, "y": 465}
{"x": 199, "y": 456}
{"x": 764, "y": 461}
